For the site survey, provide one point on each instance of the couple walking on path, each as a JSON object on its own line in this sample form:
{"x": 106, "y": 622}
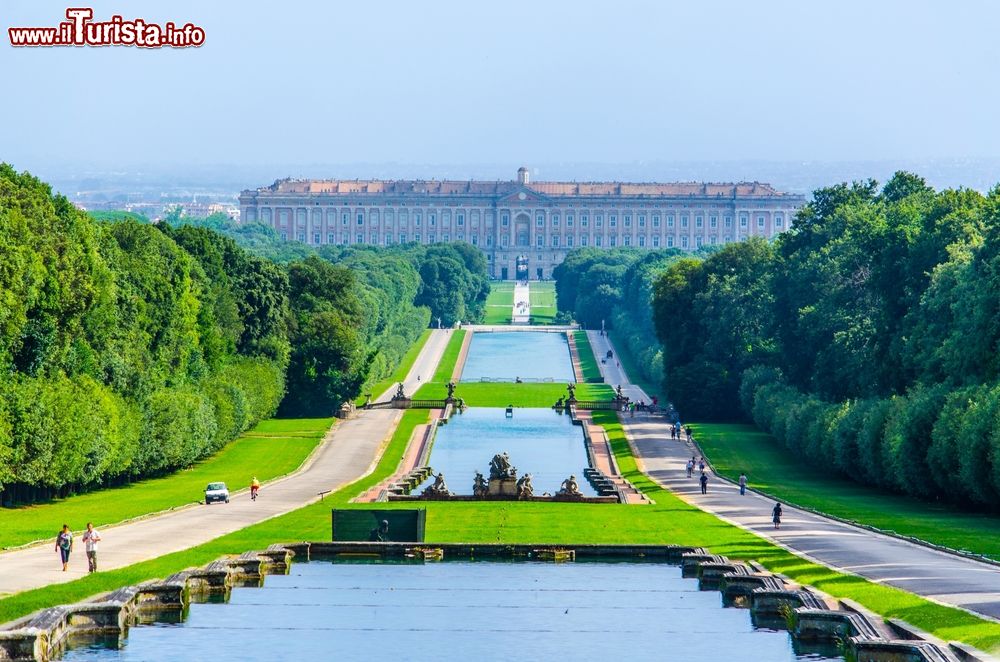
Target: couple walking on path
{"x": 64, "y": 545}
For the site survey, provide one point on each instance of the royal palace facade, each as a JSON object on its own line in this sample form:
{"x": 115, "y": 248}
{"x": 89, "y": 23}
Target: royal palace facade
{"x": 524, "y": 228}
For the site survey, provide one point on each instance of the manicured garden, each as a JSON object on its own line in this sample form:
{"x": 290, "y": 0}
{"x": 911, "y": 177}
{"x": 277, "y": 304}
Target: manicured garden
{"x": 274, "y": 448}
{"x": 775, "y": 471}
{"x": 668, "y": 521}
{"x": 500, "y": 303}
{"x": 542, "y": 296}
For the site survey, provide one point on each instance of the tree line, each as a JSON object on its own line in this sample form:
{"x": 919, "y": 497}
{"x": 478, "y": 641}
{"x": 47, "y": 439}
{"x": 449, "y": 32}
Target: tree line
{"x": 865, "y": 338}
{"x": 130, "y": 349}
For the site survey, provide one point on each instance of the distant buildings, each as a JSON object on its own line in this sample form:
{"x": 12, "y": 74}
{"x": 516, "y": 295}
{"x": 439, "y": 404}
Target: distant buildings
{"x": 524, "y": 228}
{"x": 154, "y": 211}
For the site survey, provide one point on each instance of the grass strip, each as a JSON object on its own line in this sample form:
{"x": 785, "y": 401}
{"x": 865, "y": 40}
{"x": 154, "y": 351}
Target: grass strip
{"x": 776, "y": 471}
{"x": 450, "y": 356}
{"x": 486, "y": 394}
{"x": 273, "y": 448}
{"x": 399, "y": 374}
{"x": 588, "y": 362}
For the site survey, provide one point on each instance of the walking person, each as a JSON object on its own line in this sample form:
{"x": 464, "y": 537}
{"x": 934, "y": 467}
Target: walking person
{"x": 743, "y": 483}
{"x": 254, "y": 487}
{"x": 776, "y": 515}
{"x": 701, "y": 465}
{"x": 704, "y": 482}
{"x": 690, "y": 467}
{"x": 90, "y": 539}
{"x": 64, "y": 545}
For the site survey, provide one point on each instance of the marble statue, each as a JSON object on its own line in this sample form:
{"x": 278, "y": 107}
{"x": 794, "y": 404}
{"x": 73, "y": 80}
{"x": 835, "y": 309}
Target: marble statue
{"x": 570, "y": 487}
{"x": 524, "y": 486}
{"x": 479, "y": 485}
{"x": 501, "y": 468}
{"x": 439, "y": 488}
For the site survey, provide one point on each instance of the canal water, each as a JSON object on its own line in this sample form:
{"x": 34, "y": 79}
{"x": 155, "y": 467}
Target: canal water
{"x": 541, "y": 442}
{"x": 461, "y": 611}
{"x": 508, "y": 355}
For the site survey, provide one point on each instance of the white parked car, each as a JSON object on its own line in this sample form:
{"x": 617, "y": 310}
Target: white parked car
{"x": 216, "y": 492}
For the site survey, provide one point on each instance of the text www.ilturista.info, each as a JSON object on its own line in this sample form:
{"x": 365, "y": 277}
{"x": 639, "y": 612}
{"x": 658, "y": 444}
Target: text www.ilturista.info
{"x": 80, "y": 30}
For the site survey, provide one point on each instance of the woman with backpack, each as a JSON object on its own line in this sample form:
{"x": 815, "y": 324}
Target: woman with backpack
{"x": 64, "y": 545}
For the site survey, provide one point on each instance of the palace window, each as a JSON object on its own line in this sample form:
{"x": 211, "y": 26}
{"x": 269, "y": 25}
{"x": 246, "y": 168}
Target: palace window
{"x": 555, "y": 220}
{"x": 431, "y": 220}
{"x": 656, "y": 221}
{"x": 361, "y": 219}
{"x": 416, "y": 220}
{"x": 416, "y": 237}
{"x": 778, "y": 220}
{"x": 316, "y": 237}
{"x": 539, "y": 220}
{"x": 613, "y": 240}
{"x": 503, "y": 240}
{"x": 670, "y": 241}
{"x": 569, "y": 220}
{"x": 697, "y": 242}
{"x": 613, "y": 221}
{"x": 555, "y": 241}
{"x": 642, "y": 240}
{"x": 284, "y": 236}
{"x": 628, "y": 221}
{"x": 584, "y": 219}
{"x": 446, "y": 237}
{"x": 539, "y": 240}
{"x": 642, "y": 221}
{"x": 431, "y": 237}
{"x": 402, "y": 237}
{"x": 583, "y": 239}
{"x": 729, "y": 221}
{"x": 712, "y": 240}
{"x": 684, "y": 221}
{"x": 727, "y": 239}
{"x": 301, "y": 237}
{"x": 505, "y": 219}
{"x": 743, "y": 220}
{"x": 670, "y": 221}
{"x": 359, "y": 238}
{"x": 569, "y": 241}
{"x": 684, "y": 242}
{"x": 460, "y": 219}
{"x": 489, "y": 240}
{"x": 627, "y": 240}
{"x": 713, "y": 221}
{"x": 699, "y": 221}
{"x": 599, "y": 219}
{"x": 656, "y": 241}
{"x": 597, "y": 240}
{"x": 760, "y": 221}
{"x": 331, "y": 238}
{"x": 475, "y": 240}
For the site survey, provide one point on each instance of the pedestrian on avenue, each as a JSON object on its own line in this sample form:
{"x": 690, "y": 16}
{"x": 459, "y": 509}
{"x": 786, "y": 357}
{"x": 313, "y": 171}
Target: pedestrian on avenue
{"x": 701, "y": 465}
{"x": 64, "y": 545}
{"x": 743, "y": 483}
{"x": 90, "y": 539}
{"x": 704, "y": 482}
{"x": 776, "y": 515}
{"x": 688, "y": 432}
{"x": 254, "y": 488}
{"x": 690, "y": 467}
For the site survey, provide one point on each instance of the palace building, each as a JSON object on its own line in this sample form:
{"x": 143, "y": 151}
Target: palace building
{"x": 525, "y": 228}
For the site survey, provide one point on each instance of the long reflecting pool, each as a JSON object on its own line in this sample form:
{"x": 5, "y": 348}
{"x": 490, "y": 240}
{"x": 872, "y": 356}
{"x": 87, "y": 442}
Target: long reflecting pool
{"x": 530, "y": 355}
{"x": 462, "y": 611}
{"x": 539, "y": 441}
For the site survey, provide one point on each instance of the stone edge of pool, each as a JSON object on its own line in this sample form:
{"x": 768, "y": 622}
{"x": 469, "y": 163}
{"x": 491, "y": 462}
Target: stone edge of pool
{"x": 808, "y": 614}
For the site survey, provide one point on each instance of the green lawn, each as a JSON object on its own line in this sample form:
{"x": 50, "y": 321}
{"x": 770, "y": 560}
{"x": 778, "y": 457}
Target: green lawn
{"x": 670, "y": 520}
{"x": 400, "y": 373}
{"x": 774, "y": 470}
{"x": 588, "y": 362}
{"x": 484, "y": 394}
{"x": 500, "y": 303}
{"x": 273, "y": 448}
{"x": 542, "y": 296}
{"x": 447, "y": 364}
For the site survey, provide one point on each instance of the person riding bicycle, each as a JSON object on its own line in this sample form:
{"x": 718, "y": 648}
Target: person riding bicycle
{"x": 254, "y": 487}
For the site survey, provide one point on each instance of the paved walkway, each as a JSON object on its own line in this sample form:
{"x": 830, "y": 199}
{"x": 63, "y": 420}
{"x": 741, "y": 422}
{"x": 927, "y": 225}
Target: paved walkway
{"x": 928, "y": 572}
{"x": 522, "y": 303}
{"x": 348, "y": 452}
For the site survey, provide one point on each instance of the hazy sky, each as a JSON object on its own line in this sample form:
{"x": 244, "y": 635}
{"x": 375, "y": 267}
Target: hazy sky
{"x": 518, "y": 81}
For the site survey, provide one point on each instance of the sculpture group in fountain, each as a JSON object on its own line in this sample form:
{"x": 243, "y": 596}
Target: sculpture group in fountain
{"x": 438, "y": 489}
{"x": 570, "y": 487}
{"x": 480, "y": 487}
{"x": 524, "y": 487}
{"x": 400, "y": 394}
{"x": 501, "y": 468}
